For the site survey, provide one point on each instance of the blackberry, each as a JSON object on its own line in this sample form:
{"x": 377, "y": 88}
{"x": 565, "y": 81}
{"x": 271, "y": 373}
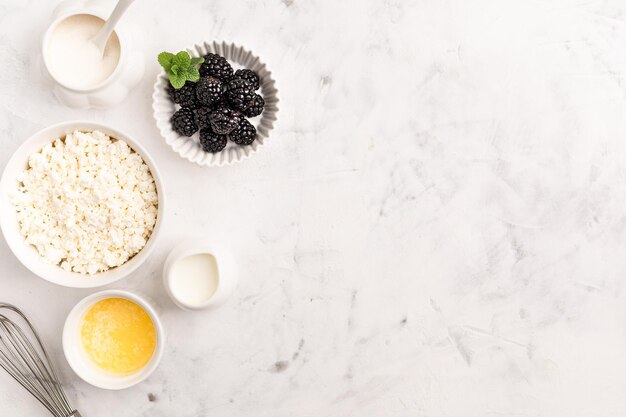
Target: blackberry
{"x": 244, "y": 134}
{"x": 212, "y": 142}
{"x": 248, "y": 75}
{"x": 239, "y": 94}
{"x": 208, "y": 91}
{"x": 256, "y": 107}
{"x": 185, "y": 96}
{"x": 183, "y": 122}
{"x": 223, "y": 120}
{"x": 202, "y": 117}
{"x": 216, "y": 66}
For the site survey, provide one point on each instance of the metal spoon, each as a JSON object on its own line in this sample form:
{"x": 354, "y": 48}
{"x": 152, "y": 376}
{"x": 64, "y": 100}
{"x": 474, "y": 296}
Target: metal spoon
{"x": 103, "y": 35}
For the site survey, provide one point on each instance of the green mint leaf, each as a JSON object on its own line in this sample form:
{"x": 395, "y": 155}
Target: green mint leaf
{"x": 195, "y": 62}
{"x": 182, "y": 72}
{"x": 193, "y": 74}
{"x": 183, "y": 59}
{"x": 177, "y": 81}
{"x": 165, "y": 59}
{"x": 180, "y": 67}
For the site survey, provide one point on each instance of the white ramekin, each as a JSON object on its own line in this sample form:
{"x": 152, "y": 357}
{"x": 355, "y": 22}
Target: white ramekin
{"x": 227, "y": 279}
{"x": 189, "y": 147}
{"x": 80, "y": 362}
{"x": 127, "y": 74}
{"x": 27, "y": 254}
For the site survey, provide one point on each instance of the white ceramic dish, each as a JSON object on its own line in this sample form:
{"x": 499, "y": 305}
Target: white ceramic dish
{"x": 189, "y": 148}
{"x": 27, "y": 254}
{"x": 227, "y": 279}
{"x": 126, "y": 76}
{"x": 80, "y": 362}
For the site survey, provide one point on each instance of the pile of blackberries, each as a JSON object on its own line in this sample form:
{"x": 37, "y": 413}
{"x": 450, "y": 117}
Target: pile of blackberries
{"x": 218, "y": 105}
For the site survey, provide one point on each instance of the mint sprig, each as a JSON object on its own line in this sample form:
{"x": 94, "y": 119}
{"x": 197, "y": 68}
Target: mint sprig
{"x": 180, "y": 68}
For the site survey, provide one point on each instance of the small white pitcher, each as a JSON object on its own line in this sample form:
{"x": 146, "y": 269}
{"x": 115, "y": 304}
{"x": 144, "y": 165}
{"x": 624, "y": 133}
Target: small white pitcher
{"x": 126, "y": 75}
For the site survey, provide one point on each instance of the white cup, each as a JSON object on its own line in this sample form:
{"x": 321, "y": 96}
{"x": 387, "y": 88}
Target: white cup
{"x": 226, "y": 278}
{"x": 116, "y": 87}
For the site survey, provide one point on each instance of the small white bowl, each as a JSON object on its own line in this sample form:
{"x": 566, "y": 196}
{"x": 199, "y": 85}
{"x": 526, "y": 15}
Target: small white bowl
{"x": 80, "y": 362}
{"x": 118, "y": 85}
{"x": 226, "y": 282}
{"x": 189, "y": 147}
{"x": 27, "y": 254}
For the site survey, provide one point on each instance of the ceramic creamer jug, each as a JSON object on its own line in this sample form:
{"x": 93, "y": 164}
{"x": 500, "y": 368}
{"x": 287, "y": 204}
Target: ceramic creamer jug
{"x": 113, "y": 89}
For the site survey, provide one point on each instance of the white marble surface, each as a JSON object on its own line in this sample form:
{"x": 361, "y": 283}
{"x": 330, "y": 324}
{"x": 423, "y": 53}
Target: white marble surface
{"x": 435, "y": 229}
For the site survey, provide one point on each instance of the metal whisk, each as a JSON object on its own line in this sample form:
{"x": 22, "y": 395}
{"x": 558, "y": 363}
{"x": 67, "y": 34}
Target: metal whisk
{"x": 24, "y": 357}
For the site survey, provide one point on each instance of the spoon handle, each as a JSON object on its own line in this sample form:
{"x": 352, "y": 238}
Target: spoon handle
{"x": 103, "y": 35}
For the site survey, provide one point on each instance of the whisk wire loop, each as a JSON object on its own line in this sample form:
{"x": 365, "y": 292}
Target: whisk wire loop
{"x": 24, "y": 357}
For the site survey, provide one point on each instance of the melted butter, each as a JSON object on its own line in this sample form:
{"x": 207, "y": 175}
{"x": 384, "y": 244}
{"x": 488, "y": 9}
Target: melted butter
{"x": 118, "y": 336}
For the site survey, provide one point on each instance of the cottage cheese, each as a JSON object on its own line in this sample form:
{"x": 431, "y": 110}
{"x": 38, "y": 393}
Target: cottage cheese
{"x": 87, "y": 202}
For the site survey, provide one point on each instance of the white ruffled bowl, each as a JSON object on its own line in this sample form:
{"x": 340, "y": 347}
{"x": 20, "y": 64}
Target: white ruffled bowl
{"x": 189, "y": 147}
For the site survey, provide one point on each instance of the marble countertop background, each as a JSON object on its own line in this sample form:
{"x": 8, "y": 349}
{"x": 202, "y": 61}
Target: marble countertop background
{"x": 435, "y": 229}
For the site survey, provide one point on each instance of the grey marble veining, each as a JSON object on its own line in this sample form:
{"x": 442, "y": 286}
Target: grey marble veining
{"x": 436, "y": 227}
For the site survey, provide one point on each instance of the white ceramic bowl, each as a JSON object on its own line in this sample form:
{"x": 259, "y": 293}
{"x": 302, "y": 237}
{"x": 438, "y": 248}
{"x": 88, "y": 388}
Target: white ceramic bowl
{"x": 127, "y": 74}
{"x": 189, "y": 148}
{"x": 80, "y": 362}
{"x": 27, "y": 254}
{"x": 227, "y": 278}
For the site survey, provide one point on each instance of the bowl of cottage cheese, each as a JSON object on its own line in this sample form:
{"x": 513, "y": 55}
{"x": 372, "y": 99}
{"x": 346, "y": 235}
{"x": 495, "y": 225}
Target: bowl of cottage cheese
{"x": 81, "y": 204}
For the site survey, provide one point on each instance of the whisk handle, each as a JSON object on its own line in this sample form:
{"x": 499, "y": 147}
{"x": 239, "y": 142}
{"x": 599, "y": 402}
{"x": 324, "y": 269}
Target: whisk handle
{"x": 75, "y": 413}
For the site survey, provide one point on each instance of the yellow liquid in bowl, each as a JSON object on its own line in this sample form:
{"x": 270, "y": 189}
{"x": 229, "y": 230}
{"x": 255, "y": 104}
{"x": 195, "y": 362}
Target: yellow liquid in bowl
{"x": 118, "y": 336}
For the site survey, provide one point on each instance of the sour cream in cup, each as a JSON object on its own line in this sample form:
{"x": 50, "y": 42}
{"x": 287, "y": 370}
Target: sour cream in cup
{"x": 73, "y": 60}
